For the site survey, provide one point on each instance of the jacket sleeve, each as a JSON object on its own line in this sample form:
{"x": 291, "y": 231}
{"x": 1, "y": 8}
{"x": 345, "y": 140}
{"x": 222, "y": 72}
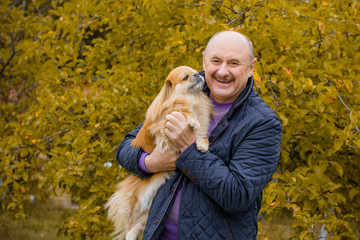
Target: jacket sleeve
{"x": 128, "y": 156}
{"x": 236, "y": 185}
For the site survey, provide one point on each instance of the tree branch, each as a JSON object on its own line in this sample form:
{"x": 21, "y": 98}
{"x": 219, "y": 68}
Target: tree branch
{"x": 185, "y": 4}
{"x": 41, "y": 140}
{"x": 342, "y": 101}
{"x": 54, "y": 135}
{"x": 13, "y": 52}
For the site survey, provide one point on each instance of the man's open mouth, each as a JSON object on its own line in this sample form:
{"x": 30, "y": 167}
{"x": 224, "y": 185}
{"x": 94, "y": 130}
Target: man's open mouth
{"x": 223, "y": 80}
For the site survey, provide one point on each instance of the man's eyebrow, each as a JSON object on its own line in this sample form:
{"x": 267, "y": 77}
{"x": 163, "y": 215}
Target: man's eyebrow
{"x": 235, "y": 60}
{"x": 230, "y": 60}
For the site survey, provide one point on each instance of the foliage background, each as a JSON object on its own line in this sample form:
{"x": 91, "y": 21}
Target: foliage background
{"x": 78, "y": 75}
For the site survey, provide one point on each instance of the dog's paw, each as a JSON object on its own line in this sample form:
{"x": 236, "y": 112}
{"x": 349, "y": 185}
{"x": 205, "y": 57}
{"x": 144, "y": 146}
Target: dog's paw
{"x": 193, "y": 123}
{"x": 202, "y": 144}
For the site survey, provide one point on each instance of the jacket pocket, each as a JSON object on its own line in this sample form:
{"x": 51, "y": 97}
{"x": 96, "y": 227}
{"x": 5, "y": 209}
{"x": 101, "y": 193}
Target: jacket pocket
{"x": 229, "y": 230}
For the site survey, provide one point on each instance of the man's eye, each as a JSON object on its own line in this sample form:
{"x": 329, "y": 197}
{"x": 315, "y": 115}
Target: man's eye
{"x": 234, "y": 63}
{"x": 215, "y": 61}
{"x": 186, "y": 77}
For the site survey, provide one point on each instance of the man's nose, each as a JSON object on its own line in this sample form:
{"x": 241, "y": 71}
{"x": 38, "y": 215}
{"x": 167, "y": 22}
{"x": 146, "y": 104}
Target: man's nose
{"x": 223, "y": 71}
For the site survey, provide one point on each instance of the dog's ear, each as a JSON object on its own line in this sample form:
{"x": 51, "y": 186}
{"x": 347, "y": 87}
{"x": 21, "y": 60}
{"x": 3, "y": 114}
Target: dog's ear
{"x": 168, "y": 89}
{"x": 155, "y": 108}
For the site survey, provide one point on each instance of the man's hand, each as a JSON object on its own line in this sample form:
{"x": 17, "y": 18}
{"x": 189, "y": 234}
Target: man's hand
{"x": 160, "y": 162}
{"x": 181, "y": 134}
{"x": 178, "y": 130}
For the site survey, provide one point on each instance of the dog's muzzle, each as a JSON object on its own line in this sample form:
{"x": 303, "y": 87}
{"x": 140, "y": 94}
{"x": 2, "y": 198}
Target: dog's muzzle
{"x": 198, "y": 82}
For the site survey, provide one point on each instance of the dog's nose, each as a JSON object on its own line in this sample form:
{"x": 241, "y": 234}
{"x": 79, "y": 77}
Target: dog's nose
{"x": 195, "y": 74}
{"x": 197, "y": 77}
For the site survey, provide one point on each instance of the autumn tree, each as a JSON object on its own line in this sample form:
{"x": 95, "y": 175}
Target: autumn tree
{"x": 76, "y": 76}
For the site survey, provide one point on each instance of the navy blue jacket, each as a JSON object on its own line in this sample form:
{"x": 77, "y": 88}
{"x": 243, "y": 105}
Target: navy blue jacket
{"x": 221, "y": 188}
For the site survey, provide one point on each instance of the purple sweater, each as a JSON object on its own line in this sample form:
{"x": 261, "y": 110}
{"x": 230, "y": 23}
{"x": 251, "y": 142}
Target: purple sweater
{"x": 171, "y": 224}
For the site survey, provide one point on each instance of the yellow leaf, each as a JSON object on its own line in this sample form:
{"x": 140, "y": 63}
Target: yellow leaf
{"x": 257, "y": 78}
{"x": 294, "y": 207}
{"x": 36, "y": 141}
{"x": 82, "y": 155}
{"x": 325, "y": 3}
{"x": 284, "y": 119}
{"x": 288, "y": 70}
{"x": 348, "y": 86}
{"x": 179, "y": 42}
{"x": 310, "y": 82}
{"x": 274, "y": 204}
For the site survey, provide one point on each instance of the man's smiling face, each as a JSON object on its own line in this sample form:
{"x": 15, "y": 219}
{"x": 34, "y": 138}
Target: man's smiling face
{"x": 227, "y": 65}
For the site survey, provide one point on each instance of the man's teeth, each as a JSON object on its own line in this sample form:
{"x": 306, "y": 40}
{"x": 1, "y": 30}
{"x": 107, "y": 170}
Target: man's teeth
{"x": 222, "y": 81}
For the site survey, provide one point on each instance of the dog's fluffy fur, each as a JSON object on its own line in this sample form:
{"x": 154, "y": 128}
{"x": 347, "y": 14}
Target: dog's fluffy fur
{"x": 129, "y": 206}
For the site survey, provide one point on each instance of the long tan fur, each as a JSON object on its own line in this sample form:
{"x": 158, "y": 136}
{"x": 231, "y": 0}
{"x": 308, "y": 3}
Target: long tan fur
{"x": 129, "y": 206}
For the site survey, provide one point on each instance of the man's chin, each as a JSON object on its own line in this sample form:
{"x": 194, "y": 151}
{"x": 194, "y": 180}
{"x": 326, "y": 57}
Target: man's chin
{"x": 219, "y": 95}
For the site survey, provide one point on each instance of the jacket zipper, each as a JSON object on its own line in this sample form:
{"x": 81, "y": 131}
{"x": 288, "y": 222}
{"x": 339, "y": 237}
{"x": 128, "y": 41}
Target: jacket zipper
{"x": 167, "y": 207}
{"x": 177, "y": 234}
{"x": 228, "y": 228}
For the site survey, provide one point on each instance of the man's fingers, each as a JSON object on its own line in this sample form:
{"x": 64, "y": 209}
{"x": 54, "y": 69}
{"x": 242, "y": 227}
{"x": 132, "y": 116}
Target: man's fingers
{"x": 178, "y": 115}
{"x": 168, "y": 133}
{"x": 173, "y": 123}
{"x": 172, "y": 118}
{"x": 177, "y": 120}
{"x": 169, "y": 125}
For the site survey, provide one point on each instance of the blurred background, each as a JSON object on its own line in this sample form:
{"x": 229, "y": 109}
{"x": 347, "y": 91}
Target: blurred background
{"x": 76, "y": 76}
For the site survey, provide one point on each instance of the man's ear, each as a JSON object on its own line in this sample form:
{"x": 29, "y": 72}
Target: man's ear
{"x": 252, "y": 67}
{"x": 203, "y": 60}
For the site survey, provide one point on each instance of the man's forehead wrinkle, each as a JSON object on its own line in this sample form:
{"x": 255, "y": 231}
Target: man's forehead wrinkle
{"x": 230, "y": 59}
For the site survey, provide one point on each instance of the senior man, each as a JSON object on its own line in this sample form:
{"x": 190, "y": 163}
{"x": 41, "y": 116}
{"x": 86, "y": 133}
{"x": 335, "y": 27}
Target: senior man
{"x": 216, "y": 194}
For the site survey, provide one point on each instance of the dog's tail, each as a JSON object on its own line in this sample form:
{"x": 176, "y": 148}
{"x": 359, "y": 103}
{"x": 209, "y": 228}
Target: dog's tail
{"x": 120, "y": 207}
{"x": 113, "y": 206}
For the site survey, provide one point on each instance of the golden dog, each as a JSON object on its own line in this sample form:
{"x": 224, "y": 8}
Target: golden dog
{"x": 129, "y": 206}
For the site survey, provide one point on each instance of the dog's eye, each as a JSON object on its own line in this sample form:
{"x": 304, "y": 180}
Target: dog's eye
{"x": 186, "y": 77}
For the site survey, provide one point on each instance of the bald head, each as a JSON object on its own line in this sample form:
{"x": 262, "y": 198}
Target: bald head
{"x": 232, "y": 38}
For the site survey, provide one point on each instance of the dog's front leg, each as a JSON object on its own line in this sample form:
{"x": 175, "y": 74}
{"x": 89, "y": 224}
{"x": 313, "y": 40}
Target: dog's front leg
{"x": 192, "y": 121}
{"x": 202, "y": 133}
